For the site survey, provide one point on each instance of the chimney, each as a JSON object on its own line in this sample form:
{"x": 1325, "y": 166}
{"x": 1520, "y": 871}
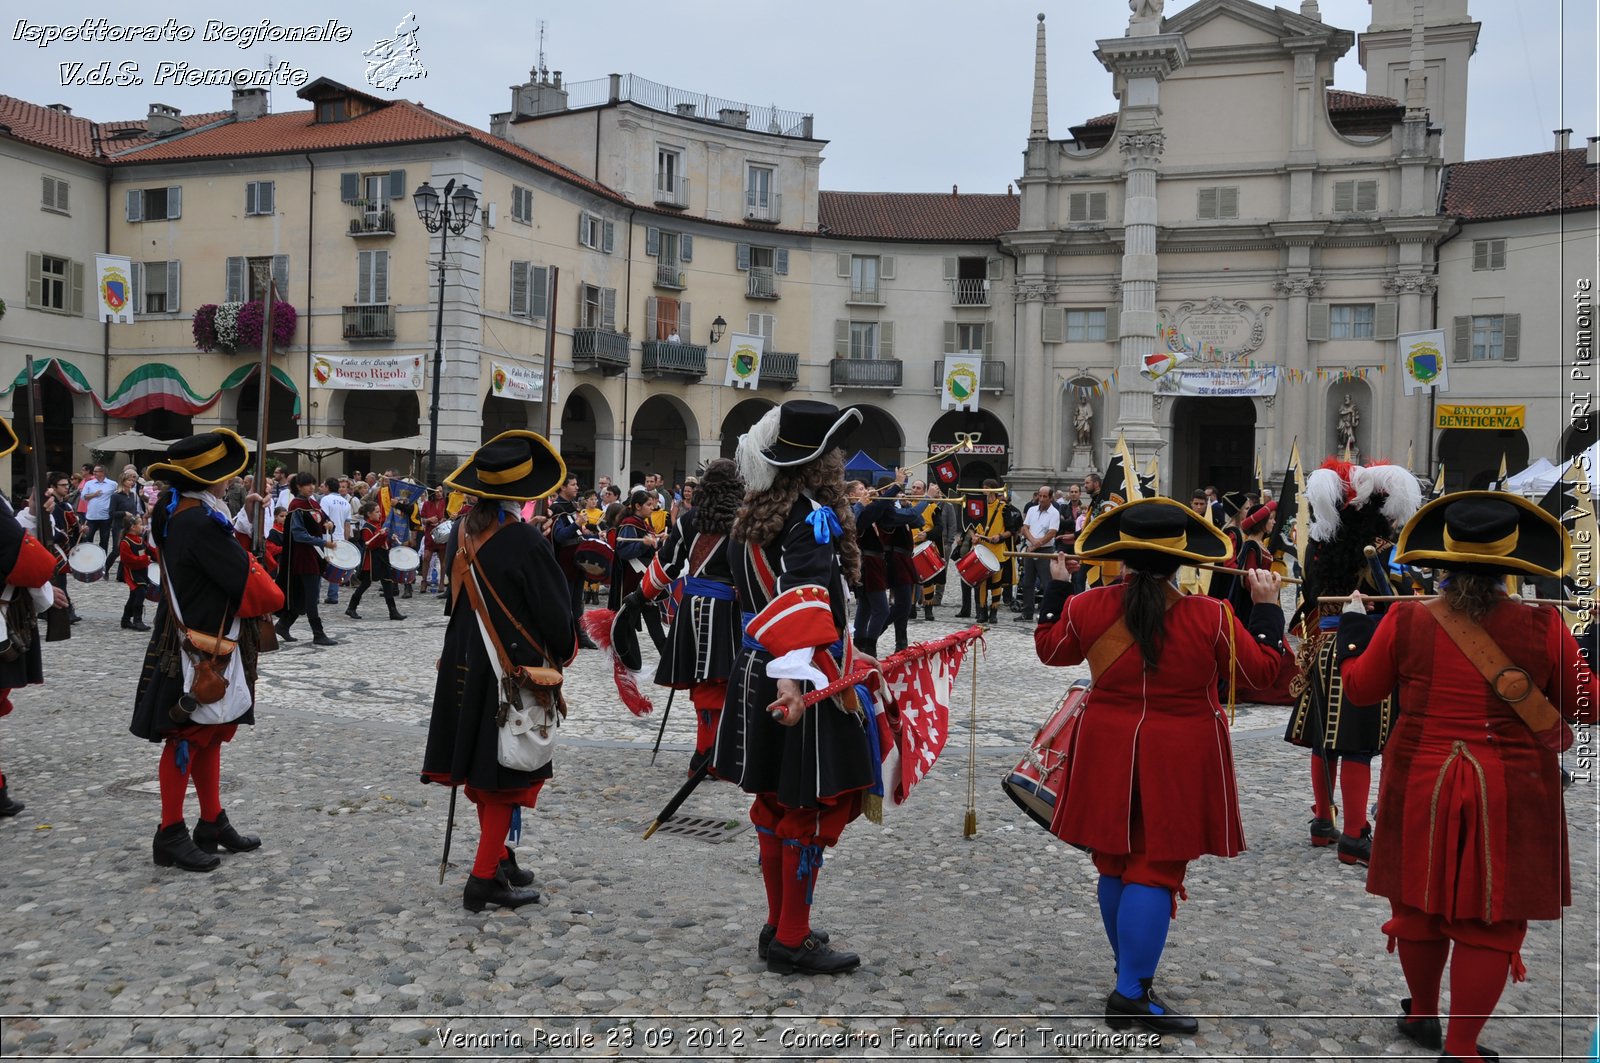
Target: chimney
{"x": 164, "y": 120}
{"x": 1563, "y": 139}
{"x": 684, "y": 110}
{"x": 734, "y": 116}
{"x": 249, "y": 103}
{"x": 1594, "y": 151}
{"x": 60, "y": 108}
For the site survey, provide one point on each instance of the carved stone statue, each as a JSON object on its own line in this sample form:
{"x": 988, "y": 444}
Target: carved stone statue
{"x": 1083, "y": 421}
{"x": 1145, "y": 11}
{"x": 1349, "y": 421}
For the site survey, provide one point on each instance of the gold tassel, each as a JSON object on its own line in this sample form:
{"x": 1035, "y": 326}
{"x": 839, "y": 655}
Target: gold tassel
{"x": 872, "y": 808}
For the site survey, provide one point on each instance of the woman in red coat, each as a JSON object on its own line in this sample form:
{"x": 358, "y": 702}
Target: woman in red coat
{"x": 1151, "y": 784}
{"x": 1472, "y": 837}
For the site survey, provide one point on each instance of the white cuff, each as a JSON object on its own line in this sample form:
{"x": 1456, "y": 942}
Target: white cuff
{"x": 43, "y": 597}
{"x": 1354, "y": 607}
{"x": 796, "y": 664}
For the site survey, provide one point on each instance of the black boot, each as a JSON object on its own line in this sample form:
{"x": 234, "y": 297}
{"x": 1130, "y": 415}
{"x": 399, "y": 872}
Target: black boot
{"x": 1357, "y": 850}
{"x": 927, "y": 612}
{"x": 811, "y": 956}
{"x": 514, "y": 875}
{"x": 282, "y": 628}
{"x": 210, "y": 834}
{"x": 174, "y": 848}
{"x": 1151, "y": 1012}
{"x": 769, "y": 934}
{"x": 138, "y": 620}
{"x": 320, "y": 637}
{"x": 407, "y": 592}
{"x": 482, "y": 891}
{"x": 9, "y": 807}
{"x": 351, "y": 612}
{"x": 394, "y": 613}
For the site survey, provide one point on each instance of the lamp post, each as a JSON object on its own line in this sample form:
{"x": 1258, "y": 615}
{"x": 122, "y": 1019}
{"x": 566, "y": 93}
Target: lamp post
{"x": 718, "y": 327}
{"x": 442, "y": 214}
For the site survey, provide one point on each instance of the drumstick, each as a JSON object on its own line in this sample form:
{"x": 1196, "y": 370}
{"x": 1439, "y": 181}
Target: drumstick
{"x": 1568, "y": 603}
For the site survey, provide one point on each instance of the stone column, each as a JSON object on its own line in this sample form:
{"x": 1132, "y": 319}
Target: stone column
{"x": 1298, "y": 420}
{"x": 1143, "y": 60}
{"x": 1411, "y": 425}
{"x": 1030, "y": 439}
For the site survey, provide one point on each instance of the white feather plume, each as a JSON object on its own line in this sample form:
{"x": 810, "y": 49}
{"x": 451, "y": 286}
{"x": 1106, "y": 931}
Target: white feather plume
{"x": 1403, "y": 495}
{"x": 1324, "y": 494}
{"x": 755, "y": 470}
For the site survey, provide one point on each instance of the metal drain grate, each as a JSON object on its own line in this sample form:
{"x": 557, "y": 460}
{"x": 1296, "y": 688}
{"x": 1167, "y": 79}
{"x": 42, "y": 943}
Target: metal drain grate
{"x": 703, "y": 829}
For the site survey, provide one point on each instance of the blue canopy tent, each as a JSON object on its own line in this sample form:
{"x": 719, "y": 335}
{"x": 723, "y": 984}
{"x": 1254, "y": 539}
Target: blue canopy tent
{"x": 861, "y": 464}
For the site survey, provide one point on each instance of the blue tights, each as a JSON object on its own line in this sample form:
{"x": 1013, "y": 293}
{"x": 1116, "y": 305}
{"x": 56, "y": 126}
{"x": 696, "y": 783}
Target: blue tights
{"x": 1136, "y": 918}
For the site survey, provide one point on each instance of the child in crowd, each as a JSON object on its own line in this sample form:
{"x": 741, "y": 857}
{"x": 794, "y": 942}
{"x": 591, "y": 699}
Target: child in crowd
{"x": 135, "y": 572}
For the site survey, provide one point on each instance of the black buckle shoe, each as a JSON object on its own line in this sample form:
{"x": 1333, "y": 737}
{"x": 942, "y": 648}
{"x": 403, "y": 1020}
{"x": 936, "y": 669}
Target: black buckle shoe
{"x": 1356, "y": 850}
{"x": 1323, "y": 832}
{"x": 1424, "y": 1032}
{"x": 811, "y": 956}
{"x": 208, "y": 835}
{"x": 173, "y": 847}
{"x": 9, "y": 807}
{"x": 512, "y": 874}
{"x": 769, "y": 933}
{"x": 484, "y": 891}
{"x": 1152, "y": 1012}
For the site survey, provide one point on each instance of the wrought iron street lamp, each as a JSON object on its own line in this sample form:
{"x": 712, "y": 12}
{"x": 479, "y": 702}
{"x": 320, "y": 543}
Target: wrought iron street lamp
{"x": 442, "y": 214}
{"x": 718, "y": 327}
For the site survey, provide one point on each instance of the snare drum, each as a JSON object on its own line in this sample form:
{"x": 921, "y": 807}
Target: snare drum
{"x": 594, "y": 558}
{"x": 926, "y": 562}
{"x": 978, "y": 565}
{"x": 87, "y": 563}
{"x": 442, "y": 530}
{"x": 403, "y": 564}
{"x": 1037, "y": 782}
{"x": 152, "y": 588}
{"x": 341, "y": 562}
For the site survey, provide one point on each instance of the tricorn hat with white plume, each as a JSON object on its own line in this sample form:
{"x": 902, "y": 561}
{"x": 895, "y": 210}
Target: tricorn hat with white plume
{"x": 1352, "y": 507}
{"x": 796, "y": 433}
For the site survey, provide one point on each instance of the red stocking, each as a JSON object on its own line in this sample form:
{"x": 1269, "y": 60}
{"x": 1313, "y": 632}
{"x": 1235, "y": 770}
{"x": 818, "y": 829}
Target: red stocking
{"x": 1355, "y": 785}
{"x": 494, "y": 821}
{"x": 1423, "y": 964}
{"x": 794, "y": 923}
{"x": 174, "y": 784}
{"x": 771, "y": 850}
{"x": 1477, "y": 978}
{"x": 206, "y": 771}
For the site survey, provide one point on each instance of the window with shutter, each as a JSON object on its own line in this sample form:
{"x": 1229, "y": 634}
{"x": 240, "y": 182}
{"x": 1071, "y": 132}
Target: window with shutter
{"x": 134, "y": 204}
{"x": 249, "y": 197}
{"x": 1097, "y": 206}
{"x": 55, "y": 195}
{"x": 539, "y": 292}
{"x": 1113, "y": 323}
{"x": 842, "y": 264}
{"x": 349, "y": 187}
{"x": 1386, "y": 321}
{"x": 1511, "y": 337}
{"x": 366, "y": 264}
{"x": 397, "y": 185}
{"x": 55, "y": 283}
{"x": 996, "y": 269}
{"x": 1461, "y": 339}
{"x": 608, "y": 312}
{"x": 1086, "y": 326}
{"x": 780, "y": 261}
{"x": 174, "y": 202}
{"x": 741, "y": 256}
{"x": 652, "y": 241}
{"x": 1366, "y": 196}
{"x": 1489, "y": 337}
{"x": 1344, "y": 197}
{"x": 988, "y": 339}
{"x": 686, "y": 248}
{"x": 136, "y": 278}
{"x": 173, "y": 276}
{"x": 150, "y": 288}
{"x": 949, "y": 337}
{"x": 886, "y": 267}
{"x": 1078, "y": 206}
{"x": 1488, "y": 254}
{"x": 234, "y": 291}
{"x": 280, "y": 274}
{"x": 1317, "y": 322}
{"x": 35, "y": 280}
{"x": 380, "y": 277}
{"x": 608, "y": 237}
{"x": 886, "y": 339}
{"x": 1352, "y": 321}
{"x": 1228, "y": 201}
{"x": 1206, "y": 204}
{"x": 48, "y": 198}
{"x": 75, "y": 307}
{"x": 841, "y": 339}
{"x": 1053, "y": 327}
{"x": 652, "y": 317}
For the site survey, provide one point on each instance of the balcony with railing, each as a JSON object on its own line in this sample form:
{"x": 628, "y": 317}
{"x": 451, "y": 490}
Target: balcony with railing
{"x": 600, "y": 348}
{"x": 677, "y": 359}
{"x": 861, "y": 295}
{"x": 762, "y": 283}
{"x": 668, "y": 275}
{"x": 779, "y": 367}
{"x": 367, "y": 321}
{"x": 768, "y": 209}
{"x": 672, "y": 190}
{"x": 969, "y": 291}
{"x": 867, "y": 372}
{"x": 372, "y": 218}
{"x": 993, "y": 377}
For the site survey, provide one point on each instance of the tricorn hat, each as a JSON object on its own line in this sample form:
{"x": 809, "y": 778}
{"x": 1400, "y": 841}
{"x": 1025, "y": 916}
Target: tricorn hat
{"x": 1492, "y": 532}
{"x": 1137, "y": 531}
{"x": 514, "y": 466}
{"x": 208, "y": 458}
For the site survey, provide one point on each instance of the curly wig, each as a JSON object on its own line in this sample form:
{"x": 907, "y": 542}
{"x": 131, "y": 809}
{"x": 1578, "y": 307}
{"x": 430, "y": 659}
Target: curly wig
{"x": 716, "y": 501}
{"x": 763, "y": 514}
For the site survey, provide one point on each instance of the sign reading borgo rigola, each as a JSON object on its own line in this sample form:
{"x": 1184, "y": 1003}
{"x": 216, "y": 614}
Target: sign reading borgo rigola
{"x": 368, "y": 374}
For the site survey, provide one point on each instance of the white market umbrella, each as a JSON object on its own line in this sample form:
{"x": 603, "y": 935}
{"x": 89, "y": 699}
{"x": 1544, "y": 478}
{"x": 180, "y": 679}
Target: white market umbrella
{"x": 127, "y": 443}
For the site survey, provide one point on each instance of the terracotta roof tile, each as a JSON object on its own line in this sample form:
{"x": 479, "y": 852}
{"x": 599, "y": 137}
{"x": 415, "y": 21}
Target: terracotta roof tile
{"x": 1342, "y": 100}
{"x": 1521, "y": 186}
{"x": 917, "y": 215}
{"x": 46, "y": 128}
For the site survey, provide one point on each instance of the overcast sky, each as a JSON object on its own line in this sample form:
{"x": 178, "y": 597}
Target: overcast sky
{"x": 913, "y": 95}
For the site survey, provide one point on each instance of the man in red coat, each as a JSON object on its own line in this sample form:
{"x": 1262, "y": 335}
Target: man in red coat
{"x": 28, "y": 565}
{"x": 1472, "y": 836}
{"x": 1150, "y": 784}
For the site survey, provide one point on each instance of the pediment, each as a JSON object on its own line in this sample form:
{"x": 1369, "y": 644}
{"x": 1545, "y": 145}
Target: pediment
{"x": 1231, "y": 23}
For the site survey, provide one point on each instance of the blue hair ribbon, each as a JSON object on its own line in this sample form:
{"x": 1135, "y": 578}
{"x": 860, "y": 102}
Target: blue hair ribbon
{"x": 824, "y": 525}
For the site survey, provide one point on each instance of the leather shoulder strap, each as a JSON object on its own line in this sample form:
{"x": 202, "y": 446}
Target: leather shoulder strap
{"x": 1115, "y": 640}
{"x": 470, "y": 548}
{"x": 1510, "y": 683}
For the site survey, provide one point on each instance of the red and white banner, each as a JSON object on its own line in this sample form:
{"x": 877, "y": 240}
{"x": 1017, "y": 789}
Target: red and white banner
{"x": 915, "y": 723}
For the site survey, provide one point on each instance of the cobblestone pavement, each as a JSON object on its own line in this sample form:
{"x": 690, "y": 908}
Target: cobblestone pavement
{"x": 337, "y": 939}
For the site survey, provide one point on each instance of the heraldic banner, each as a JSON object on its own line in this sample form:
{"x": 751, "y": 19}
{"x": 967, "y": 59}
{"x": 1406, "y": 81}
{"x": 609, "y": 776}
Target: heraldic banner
{"x": 368, "y": 374}
{"x": 959, "y": 388}
{"x": 744, "y": 361}
{"x": 520, "y": 382}
{"x": 113, "y": 287}
{"x": 1423, "y": 362}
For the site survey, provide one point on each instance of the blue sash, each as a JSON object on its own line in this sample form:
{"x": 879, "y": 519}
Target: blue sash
{"x": 710, "y": 588}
